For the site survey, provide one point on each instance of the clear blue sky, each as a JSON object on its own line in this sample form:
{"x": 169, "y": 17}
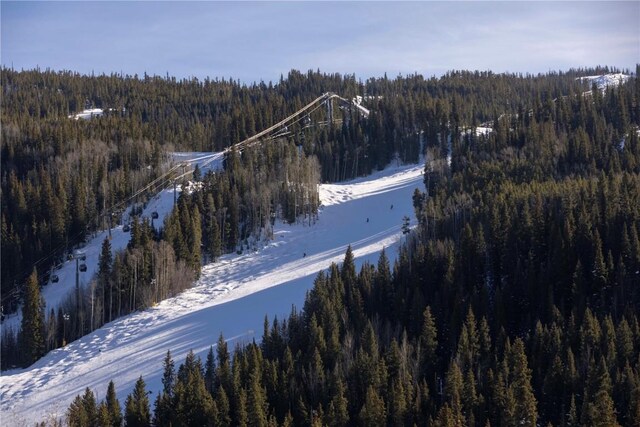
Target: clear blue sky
{"x": 253, "y": 41}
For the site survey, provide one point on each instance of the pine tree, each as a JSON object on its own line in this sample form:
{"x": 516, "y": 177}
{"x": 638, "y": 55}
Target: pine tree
{"x": 224, "y": 410}
{"x": 484, "y": 337}
{"x": 601, "y": 411}
{"x": 348, "y": 270}
{"x": 624, "y": 342}
{"x": 241, "y": 415}
{"x": 215, "y": 248}
{"x": 210, "y": 371}
{"x": 165, "y": 408}
{"x": 405, "y": 225}
{"x": 525, "y": 409}
{"x": 193, "y": 403}
{"x": 192, "y": 365}
{"x": 233, "y": 232}
{"x": 338, "y": 411}
{"x": 32, "y": 328}
{"x": 373, "y": 411}
{"x": 469, "y": 344}
{"x": 429, "y": 341}
{"x": 453, "y": 390}
{"x": 223, "y": 370}
{"x": 447, "y": 418}
{"x": 257, "y": 402}
{"x": 137, "y": 411}
{"x": 599, "y": 270}
{"x": 113, "y": 406}
{"x": 169, "y": 376}
{"x": 90, "y": 407}
{"x": 397, "y": 403}
{"x": 383, "y": 285}
{"x": 104, "y": 274}
{"x": 195, "y": 240}
{"x": 163, "y": 413}
{"x": 470, "y": 398}
{"x": 104, "y": 419}
{"x": 76, "y": 414}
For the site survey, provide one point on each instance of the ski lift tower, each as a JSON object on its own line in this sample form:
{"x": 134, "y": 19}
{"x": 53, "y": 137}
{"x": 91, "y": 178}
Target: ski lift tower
{"x": 329, "y": 110}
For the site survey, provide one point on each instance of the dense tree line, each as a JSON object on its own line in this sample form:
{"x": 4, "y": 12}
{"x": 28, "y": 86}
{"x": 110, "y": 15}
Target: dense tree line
{"x": 61, "y": 178}
{"x": 514, "y": 302}
{"x": 145, "y": 273}
{"x": 64, "y": 178}
{"x": 236, "y": 206}
{"x": 227, "y": 212}
{"x": 350, "y": 359}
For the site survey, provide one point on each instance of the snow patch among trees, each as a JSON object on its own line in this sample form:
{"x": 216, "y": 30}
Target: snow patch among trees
{"x": 606, "y": 80}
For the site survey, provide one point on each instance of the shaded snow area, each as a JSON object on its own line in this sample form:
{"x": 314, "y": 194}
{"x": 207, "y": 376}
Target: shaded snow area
{"x": 55, "y": 294}
{"x": 606, "y": 80}
{"x": 232, "y": 297}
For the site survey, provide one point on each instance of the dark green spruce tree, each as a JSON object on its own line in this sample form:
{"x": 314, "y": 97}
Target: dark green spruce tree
{"x": 32, "y": 328}
{"x": 137, "y": 411}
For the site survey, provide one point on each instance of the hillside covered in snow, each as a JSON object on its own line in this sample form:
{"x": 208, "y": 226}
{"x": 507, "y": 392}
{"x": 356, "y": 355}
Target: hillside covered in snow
{"x": 513, "y": 300}
{"x": 232, "y": 297}
{"x": 605, "y": 81}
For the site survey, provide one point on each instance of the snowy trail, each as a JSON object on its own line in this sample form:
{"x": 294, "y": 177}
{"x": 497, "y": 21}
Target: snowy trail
{"x": 232, "y": 297}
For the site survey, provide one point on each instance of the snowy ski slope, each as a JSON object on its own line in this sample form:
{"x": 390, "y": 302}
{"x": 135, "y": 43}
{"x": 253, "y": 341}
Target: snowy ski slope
{"x": 54, "y": 294}
{"x": 232, "y": 297}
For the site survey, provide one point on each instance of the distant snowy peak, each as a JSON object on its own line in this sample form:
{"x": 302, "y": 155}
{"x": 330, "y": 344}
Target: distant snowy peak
{"x": 606, "y": 80}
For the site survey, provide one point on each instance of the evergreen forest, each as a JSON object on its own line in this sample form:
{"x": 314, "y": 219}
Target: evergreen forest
{"x": 514, "y": 302}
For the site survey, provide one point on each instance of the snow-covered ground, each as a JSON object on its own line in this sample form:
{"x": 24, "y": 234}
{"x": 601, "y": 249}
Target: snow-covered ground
{"x": 87, "y": 114}
{"x": 480, "y": 131}
{"x": 206, "y": 161}
{"x": 606, "y": 80}
{"x": 357, "y": 101}
{"x": 232, "y": 297}
{"x": 54, "y": 294}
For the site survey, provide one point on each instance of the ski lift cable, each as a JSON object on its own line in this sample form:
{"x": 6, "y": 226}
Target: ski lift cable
{"x": 322, "y": 98}
{"x": 278, "y": 134}
{"x": 55, "y": 251}
{"x": 164, "y": 178}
